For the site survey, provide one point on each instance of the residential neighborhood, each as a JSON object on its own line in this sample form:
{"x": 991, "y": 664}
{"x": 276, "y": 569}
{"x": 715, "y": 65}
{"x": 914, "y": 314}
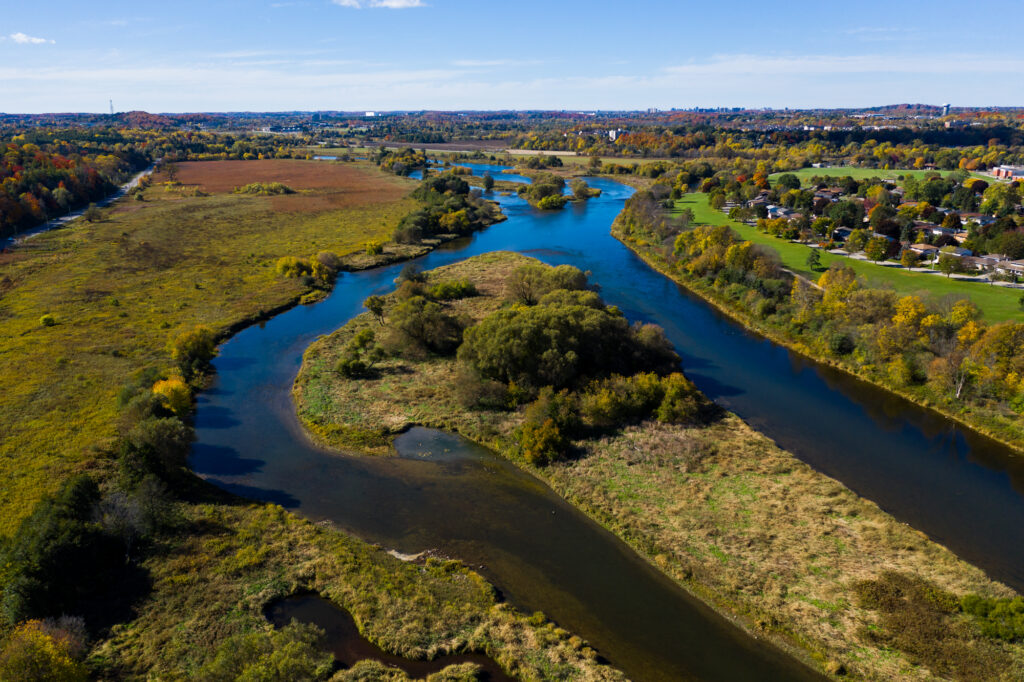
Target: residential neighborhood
{"x": 960, "y": 225}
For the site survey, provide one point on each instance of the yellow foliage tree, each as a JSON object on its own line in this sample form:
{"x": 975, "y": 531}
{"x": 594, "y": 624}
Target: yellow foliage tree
{"x": 175, "y": 393}
{"x": 33, "y": 654}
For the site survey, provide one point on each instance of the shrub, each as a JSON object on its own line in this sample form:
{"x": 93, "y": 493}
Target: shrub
{"x": 528, "y": 283}
{"x": 290, "y": 266}
{"x": 291, "y": 653}
{"x": 552, "y": 202}
{"x": 998, "y": 618}
{"x": 360, "y": 355}
{"x": 193, "y": 350}
{"x": 39, "y": 652}
{"x": 542, "y": 443}
{"x": 562, "y": 408}
{"x": 175, "y": 393}
{"x": 451, "y": 289}
{"x": 158, "y": 444}
{"x": 681, "y": 403}
{"x": 264, "y": 188}
{"x": 423, "y": 324}
{"x": 47, "y": 320}
{"x": 374, "y": 247}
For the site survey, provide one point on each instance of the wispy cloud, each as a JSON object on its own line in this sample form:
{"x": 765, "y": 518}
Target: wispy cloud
{"x": 386, "y": 4}
{"x": 484, "y": 63}
{"x": 747, "y": 64}
{"x": 24, "y": 39}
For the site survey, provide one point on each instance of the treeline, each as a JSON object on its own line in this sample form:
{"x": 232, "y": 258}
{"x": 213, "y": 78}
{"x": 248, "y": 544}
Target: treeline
{"x": 48, "y": 172}
{"x": 573, "y": 365}
{"x": 938, "y": 350}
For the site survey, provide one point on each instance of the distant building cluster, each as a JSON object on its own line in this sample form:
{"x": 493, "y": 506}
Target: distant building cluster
{"x": 1009, "y": 172}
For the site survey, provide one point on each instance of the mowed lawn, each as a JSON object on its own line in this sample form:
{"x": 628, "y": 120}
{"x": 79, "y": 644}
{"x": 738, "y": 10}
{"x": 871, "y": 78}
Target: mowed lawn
{"x": 120, "y": 289}
{"x": 997, "y": 303}
{"x": 857, "y": 173}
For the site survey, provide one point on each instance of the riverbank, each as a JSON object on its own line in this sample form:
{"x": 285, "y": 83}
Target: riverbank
{"x": 769, "y": 542}
{"x": 116, "y": 291}
{"x": 1008, "y": 430}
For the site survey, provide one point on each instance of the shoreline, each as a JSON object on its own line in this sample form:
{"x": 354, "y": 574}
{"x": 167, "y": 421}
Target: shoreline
{"x": 773, "y": 335}
{"x": 746, "y": 613}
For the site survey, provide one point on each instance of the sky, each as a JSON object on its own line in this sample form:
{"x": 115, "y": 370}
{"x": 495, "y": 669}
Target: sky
{"x": 386, "y": 55}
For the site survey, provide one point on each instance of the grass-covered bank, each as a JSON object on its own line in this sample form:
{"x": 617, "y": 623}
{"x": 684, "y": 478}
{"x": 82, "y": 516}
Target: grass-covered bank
{"x": 88, "y": 307}
{"x": 980, "y": 390}
{"x": 789, "y": 553}
{"x": 229, "y": 559}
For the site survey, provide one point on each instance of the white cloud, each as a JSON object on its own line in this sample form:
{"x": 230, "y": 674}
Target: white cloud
{"x": 23, "y": 39}
{"x": 387, "y": 4}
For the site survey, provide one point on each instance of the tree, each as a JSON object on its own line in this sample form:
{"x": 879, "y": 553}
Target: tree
{"x": 171, "y": 169}
{"x": 876, "y": 248}
{"x": 908, "y": 258}
{"x": 192, "y": 350}
{"x": 857, "y": 240}
{"x": 375, "y": 304}
{"x": 814, "y": 259}
{"x": 93, "y": 213}
{"x": 948, "y": 264}
{"x": 488, "y": 181}
{"x": 38, "y": 651}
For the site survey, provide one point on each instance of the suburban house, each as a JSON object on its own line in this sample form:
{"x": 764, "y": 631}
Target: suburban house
{"x": 1011, "y": 267}
{"x": 925, "y": 251}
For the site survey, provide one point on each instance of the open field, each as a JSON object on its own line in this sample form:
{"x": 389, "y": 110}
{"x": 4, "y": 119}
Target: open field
{"x": 720, "y": 508}
{"x": 997, "y": 303}
{"x": 120, "y": 289}
{"x": 857, "y": 173}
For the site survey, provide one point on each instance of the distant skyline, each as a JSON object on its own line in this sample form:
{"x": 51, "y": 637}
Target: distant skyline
{"x": 356, "y": 55}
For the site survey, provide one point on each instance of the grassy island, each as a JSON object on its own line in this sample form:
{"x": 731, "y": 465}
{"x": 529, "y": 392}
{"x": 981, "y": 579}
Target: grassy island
{"x": 789, "y": 552}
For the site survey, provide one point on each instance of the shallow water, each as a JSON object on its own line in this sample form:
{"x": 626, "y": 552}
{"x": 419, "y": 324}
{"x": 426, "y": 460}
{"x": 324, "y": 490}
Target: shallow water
{"x": 962, "y": 489}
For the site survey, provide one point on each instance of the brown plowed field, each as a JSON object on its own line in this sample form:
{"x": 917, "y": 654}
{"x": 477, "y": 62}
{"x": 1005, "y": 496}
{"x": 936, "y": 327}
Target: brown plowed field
{"x": 331, "y": 185}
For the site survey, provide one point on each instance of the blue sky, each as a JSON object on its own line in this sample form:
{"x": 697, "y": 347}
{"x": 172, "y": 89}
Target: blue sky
{"x": 280, "y": 55}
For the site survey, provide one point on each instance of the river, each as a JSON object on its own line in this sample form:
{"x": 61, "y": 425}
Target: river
{"x": 541, "y": 553}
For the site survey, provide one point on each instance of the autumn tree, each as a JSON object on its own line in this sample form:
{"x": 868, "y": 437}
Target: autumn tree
{"x": 876, "y": 248}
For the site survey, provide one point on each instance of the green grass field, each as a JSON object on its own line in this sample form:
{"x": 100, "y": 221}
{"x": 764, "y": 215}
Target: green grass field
{"x": 805, "y": 174}
{"x": 997, "y": 303}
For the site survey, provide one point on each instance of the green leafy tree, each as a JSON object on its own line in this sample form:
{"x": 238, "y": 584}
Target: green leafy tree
{"x": 948, "y": 264}
{"x": 488, "y": 182}
{"x": 375, "y": 304}
{"x": 876, "y": 248}
{"x": 814, "y": 259}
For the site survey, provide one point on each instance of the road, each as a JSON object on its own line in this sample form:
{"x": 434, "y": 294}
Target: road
{"x": 14, "y": 240}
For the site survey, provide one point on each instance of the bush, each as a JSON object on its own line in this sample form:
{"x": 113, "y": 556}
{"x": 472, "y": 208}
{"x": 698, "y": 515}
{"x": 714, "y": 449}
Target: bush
{"x": 997, "y": 618}
{"x": 47, "y": 320}
{"x": 291, "y": 653}
{"x": 264, "y": 188}
{"x": 540, "y": 444}
{"x": 374, "y": 247}
{"x": 562, "y": 408}
{"x": 528, "y": 283}
{"x": 360, "y": 355}
{"x": 451, "y": 289}
{"x": 40, "y": 652}
{"x": 290, "y": 266}
{"x": 424, "y": 325}
{"x": 552, "y": 202}
{"x": 175, "y": 393}
{"x": 158, "y": 445}
{"x": 681, "y": 403}
{"x": 193, "y": 350}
